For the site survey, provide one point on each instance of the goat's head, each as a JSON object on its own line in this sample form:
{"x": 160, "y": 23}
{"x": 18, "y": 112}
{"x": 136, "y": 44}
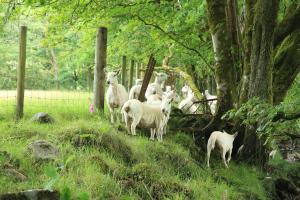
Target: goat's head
{"x": 166, "y": 102}
{"x": 112, "y": 77}
{"x": 160, "y": 77}
{"x": 185, "y": 89}
{"x": 168, "y": 88}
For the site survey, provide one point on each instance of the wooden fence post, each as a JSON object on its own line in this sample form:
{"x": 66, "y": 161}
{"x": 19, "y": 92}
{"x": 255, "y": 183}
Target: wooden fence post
{"x": 131, "y": 75}
{"x": 147, "y": 77}
{"x": 99, "y": 74}
{"x": 137, "y": 70}
{"x": 21, "y": 73}
{"x": 123, "y": 76}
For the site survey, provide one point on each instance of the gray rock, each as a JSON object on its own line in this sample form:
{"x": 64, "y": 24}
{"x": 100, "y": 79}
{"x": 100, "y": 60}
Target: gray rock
{"x": 32, "y": 195}
{"x": 43, "y": 150}
{"x": 42, "y": 117}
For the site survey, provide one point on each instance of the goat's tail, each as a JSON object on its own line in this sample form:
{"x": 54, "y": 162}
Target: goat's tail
{"x": 212, "y": 141}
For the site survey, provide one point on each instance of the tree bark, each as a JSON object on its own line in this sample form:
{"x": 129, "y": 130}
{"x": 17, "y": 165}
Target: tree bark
{"x": 223, "y": 58}
{"x": 247, "y": 38}
{"x": 286, "y": 56}
{"x": 261, "y": 71}
{"x": 223, "y": 62}
{"x": 262, "y": 47}
{"x": 286, "y": 66}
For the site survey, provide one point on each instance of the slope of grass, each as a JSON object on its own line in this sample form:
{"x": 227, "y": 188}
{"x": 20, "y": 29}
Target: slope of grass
{"x": 100, "y": 162}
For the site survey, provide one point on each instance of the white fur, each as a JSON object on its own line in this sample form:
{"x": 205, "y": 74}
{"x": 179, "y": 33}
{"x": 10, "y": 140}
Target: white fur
{"x": 170, "y": 91}
{"x": 116, "y": 95}
{"x": 187, "y": 105}
{"x": 224, "y": 141}
{"x": 156, "y": 86}
{"x": 144, "y": 115}
{"x": 212, "y": 104}
{"x": 136, "y": 89}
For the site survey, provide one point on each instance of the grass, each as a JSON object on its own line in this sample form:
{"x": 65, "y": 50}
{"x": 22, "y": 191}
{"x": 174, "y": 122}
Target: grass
{"x": 100, "y": 162}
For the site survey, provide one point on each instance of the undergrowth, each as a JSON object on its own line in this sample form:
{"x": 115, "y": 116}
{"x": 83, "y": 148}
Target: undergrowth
{"x": 96, "y": 161}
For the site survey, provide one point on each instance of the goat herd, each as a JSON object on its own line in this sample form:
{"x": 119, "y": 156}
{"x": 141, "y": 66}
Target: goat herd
{"x": 155, "y": 112}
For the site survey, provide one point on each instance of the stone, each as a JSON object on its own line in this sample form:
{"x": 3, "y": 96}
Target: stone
{"x": 10, "y": 170}
{"x": 43, "y": 150}
{"x": 42, "y": 117}
{"x": 38, "y": 194}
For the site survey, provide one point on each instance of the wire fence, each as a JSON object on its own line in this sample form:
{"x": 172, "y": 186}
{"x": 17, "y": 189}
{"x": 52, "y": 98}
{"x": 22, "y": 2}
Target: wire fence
{"x": 51, "y": 96}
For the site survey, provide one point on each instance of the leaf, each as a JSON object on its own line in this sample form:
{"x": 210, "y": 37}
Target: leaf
{"x": 51, "y": 172}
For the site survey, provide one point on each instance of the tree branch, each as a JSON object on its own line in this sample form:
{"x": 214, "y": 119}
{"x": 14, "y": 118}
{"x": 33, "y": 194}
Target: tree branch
{"x": 175, "y": 40}
{"x": 284, "y": 116}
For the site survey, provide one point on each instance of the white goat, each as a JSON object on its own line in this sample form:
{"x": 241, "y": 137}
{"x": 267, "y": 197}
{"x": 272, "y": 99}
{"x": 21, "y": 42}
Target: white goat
{"x": 143, "y": 115}
{"x": 224, "y": 141}
{"x": 136, "y": 89}
{"x": 116, "y": 95}
{"x": 170, "y": 91}
{"x": 212, "y": 104}
{"x": 156, "y": 86}
{"x": 184, "y": 90}
{"x": 154, "y": 99}
{"x": 187, "y": 105}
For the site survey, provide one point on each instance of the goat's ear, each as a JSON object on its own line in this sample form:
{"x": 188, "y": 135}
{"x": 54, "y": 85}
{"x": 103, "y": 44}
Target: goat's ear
{"x": 105, "y": 70}
{"x": 155, "y": 73}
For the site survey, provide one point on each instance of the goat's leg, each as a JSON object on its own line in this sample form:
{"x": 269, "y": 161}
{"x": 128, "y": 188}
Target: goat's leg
{"x": 159, "y": 134}
{"x": 229, "y": 155}
{"x": 223, "y": 157}
{"x": 111, "y": 111}
{"x": 134, "y": 123}
{"x": 208, "y": 155}
{"x": 152, "y": 130}
{"x": 127, "y": 124}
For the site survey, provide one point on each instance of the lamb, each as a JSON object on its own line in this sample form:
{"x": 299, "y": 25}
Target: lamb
{"x": 143, "y": 115}
{"x": 156, "y": 86}
{"x": 212, "y": 104}
{"x": 224, "y": 142}
{"x": 187, "y": 105}
{"x": 116, "y": 95}
{"x": 135, "y": 90}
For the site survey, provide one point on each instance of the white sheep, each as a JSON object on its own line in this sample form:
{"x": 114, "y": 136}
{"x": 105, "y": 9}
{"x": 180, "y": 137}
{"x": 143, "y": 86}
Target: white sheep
{"x": 143, "y": 115}
{"x": 212, "y": 104}
{"x": 224, "y": 141}
{"x": 136, "y": 89}
{"x": 116, "y": 95}
{"x": 187, "y": 105}
{"x": 156, "y": 86}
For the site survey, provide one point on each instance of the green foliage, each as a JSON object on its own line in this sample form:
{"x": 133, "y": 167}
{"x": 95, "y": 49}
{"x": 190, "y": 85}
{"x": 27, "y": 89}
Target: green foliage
{"x": 259, "y": 115}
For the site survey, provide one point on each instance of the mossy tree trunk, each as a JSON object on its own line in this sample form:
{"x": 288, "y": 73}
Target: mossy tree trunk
{"x": 247, "y": 38}
{"x": 261, "y": 70}
{"x": 223, "y": 62}
{"x": 262, "y": 48}
{"x": 223, "y": 57}
{"x": 287, "y": 53}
